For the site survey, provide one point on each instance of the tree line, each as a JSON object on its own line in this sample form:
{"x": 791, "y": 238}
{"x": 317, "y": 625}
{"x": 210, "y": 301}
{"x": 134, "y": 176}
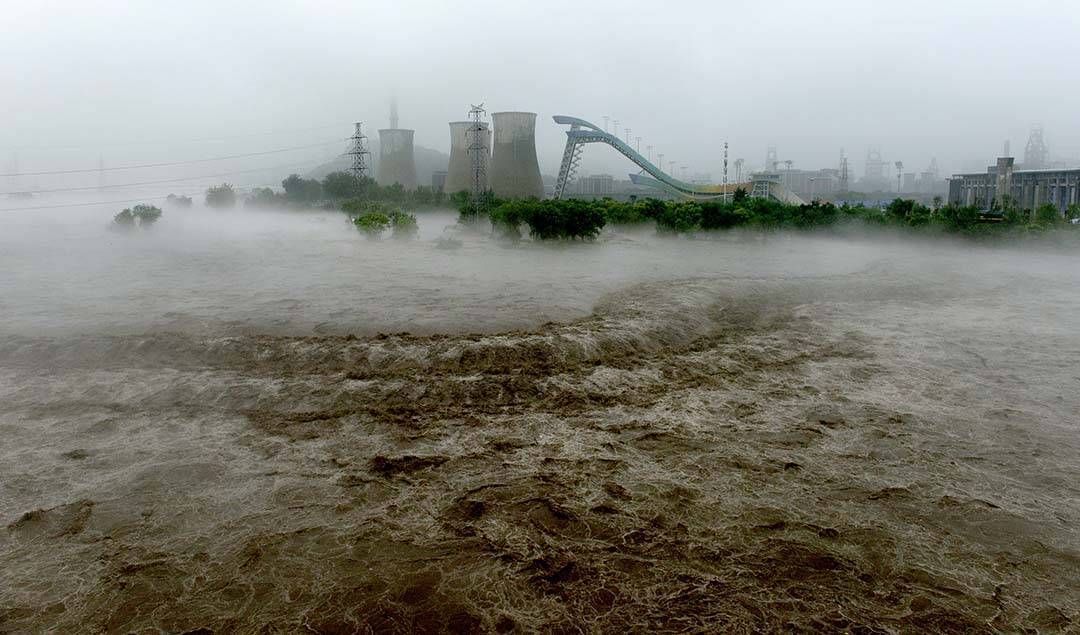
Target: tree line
{"x": 336, "y": 186}
{"x": 581, "y": 219}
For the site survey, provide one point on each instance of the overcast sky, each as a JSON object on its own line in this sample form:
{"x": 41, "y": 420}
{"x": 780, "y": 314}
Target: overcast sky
{"x": 948, "y": 78}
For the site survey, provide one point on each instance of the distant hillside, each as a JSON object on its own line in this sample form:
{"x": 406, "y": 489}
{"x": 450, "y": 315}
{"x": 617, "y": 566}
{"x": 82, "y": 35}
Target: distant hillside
{"x": 428, "y": 162}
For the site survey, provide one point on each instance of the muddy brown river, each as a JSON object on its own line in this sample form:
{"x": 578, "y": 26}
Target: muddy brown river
{"x": 259, "y": 423}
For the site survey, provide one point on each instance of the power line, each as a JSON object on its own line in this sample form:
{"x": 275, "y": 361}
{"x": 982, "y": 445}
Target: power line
{"x": 126, "y": 200}
{"x": 172, "y": 163}
{"x": 177, "y": 180}
{"x": 174, "y": 142}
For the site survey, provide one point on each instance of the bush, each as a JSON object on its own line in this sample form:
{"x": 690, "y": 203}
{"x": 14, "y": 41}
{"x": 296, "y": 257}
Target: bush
{"x": 372, "y": 223}
{"x": 264, "y": 197}
{"x": 619, "y": 213}
{"x": 404, "y": 226}
{"x": 959, "y": 218}
{"x": 347, "y": 185}
{"x": 357, "y": 207}
{"x": 221, "y": 196}
{"x": 299, "y": 190}
{"x": 178, "y": 201}
{"x": 716, "y": 215}
{"x": 551, "y": 219}
{"x": 143, "y": 215}
{"x": 124, "y": 219}
{"x": 1047, "y": 215}
{"x": 679, "y": 218}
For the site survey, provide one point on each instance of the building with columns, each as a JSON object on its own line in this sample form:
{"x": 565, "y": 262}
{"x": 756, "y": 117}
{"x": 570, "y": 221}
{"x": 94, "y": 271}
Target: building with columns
{"x": 1029, "y": 189}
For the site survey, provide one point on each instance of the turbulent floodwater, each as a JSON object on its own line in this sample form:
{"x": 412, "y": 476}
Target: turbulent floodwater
{"x": 265, "y": 423}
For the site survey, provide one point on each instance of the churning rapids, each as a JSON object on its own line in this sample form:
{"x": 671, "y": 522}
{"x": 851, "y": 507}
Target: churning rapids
{"x": 262, "y": 422}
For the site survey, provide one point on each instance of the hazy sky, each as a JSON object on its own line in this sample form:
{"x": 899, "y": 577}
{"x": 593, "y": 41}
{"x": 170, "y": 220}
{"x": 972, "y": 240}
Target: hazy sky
{"x": 948, "y": 78}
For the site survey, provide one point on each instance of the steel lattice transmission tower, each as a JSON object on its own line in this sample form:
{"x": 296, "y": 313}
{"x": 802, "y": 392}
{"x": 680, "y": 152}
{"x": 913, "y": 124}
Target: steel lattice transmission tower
{"x": 477, "y": 154}
{"x": 361, "y": 156}
{"x": 1036, "y": 155}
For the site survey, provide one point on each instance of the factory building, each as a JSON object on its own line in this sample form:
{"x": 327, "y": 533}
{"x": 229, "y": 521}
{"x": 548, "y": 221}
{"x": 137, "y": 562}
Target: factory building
{"x": 1028, "y": 189}
{"x": 515, "y": 172}
{"x": 595, "y": 185}
{"x": 438, "y": 181}
{"x": 459, "y": 175}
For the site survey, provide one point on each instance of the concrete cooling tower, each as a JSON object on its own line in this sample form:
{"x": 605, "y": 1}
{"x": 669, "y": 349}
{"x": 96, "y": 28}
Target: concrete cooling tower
{"x": 459, "y": 175}
{"x": 515, "y": 172}
{"x": 396, "y": 163}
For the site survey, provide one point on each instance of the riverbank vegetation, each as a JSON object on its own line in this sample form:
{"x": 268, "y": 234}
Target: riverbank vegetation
{"x": 142, "y": 216}
{"x": 581, "y": 219}
{"x": 373, "y": 218}
{"x": 342, "y": 186}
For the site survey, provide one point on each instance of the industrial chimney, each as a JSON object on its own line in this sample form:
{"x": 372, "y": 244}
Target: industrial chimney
{"x": 515, "y": 172}
{"x": 396, "y": 164}
{"x": 459, "y": 176}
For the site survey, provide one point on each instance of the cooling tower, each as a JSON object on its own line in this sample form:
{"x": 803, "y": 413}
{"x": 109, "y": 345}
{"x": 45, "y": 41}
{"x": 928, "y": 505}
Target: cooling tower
{"x": 514, "y": 170}
{"x": 459, "y": 175}
{"x": 396, "y": 164}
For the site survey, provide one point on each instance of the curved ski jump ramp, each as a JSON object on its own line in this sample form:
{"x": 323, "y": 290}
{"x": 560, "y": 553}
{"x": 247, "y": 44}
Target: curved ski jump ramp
{"x": 582, "y": 132}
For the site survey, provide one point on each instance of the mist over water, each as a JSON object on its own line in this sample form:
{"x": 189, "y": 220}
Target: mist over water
{"x": 244, "y": 421}
{"x": 204, "y": 271}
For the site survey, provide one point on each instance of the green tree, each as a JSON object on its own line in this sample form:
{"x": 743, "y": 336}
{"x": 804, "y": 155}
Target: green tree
{"x": 958, "y": 217}
{"x": 373, "y": 224}
{"x": 144, "y": 215}
{"x": 124, "y": 219}
{"x": 147, "y": 214}
{"x": 264, "y": 197}
{"x": 347, "y": 185}
{"x": 1047, "y": 215}
{"x": 178, "y": 201}
{"x": 221, "y": 196}
{"x": 301, "y": 190}
{"x": 404, "y": 226}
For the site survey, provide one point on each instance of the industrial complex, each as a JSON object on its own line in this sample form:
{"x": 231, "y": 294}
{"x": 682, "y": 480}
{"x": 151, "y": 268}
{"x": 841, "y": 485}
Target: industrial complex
{"x": 501, "y": 157}
{"x": 1026, "y": 186}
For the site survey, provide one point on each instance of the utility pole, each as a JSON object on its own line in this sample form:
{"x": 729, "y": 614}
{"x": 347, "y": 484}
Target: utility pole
{"x": 725, "y": 171}
{"x": 477, "y": 150}
{"x": 637, "y": 144}
{"x": 649, "y": 148}
{"x": 844, "y": 174}
{"x": 738, "y": 170}
{"x": 605, "y": 122}
{"x": 626, "y": 131}
{"x": 361, "y": 157}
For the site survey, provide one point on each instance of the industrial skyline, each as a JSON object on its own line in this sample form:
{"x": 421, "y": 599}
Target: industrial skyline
{"x": 921, "y": 108}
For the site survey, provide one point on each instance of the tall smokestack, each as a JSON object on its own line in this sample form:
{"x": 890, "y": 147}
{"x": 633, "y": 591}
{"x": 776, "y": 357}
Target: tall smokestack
{"x": 515, "y": 172}
{"x": 396, "y": 163}
{"x": 459, "y": 175}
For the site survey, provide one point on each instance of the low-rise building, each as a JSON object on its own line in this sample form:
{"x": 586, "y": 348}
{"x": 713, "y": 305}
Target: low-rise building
{"x": 1028, "y": 189}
